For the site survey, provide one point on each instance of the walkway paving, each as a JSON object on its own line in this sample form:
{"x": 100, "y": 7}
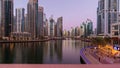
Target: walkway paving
{"x": 91, "y": 58}
{"x": 96, "y": 57}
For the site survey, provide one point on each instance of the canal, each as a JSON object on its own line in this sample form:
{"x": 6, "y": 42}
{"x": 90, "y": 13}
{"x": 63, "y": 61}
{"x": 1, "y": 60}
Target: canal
{"x": 49, "y": 52}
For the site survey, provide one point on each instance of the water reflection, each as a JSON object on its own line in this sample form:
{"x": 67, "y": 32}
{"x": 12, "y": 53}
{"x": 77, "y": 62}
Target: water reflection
{"x": 7, "y": 53}
{"x": 50, "y": 52}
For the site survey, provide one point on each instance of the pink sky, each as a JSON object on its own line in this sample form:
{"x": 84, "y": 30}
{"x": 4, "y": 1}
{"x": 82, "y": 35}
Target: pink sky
{"x": 74, "y": 12}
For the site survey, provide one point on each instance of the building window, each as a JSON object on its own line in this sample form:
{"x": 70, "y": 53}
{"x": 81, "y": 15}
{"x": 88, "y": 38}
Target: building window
{"x": 116, "y": 27}
{"x": 116, "y": 33}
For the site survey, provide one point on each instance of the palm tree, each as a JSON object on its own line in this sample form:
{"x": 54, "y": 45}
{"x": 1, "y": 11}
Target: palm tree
{"x": 98, "y": 41}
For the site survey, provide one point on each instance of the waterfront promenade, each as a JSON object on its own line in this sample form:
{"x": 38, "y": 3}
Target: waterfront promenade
{"x": 93, "y": 56}
{"x": 24, "y": 41}
{"x": 27, "y": 41}
{"x": 15, "y": 41}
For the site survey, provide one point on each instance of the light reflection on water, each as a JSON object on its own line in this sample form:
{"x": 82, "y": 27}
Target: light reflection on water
{"x": 50, "y": 52}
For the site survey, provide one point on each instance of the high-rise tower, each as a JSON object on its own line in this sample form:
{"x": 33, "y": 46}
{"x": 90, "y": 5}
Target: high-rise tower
{"x": 20, "y": 20}
{"x": 8, "y": 17}
{"x": 32, "y": 10}
{"x": 1, "y": 18}
{"x": 107, "y": 13}
{"x": 40, "y": 32}
{"x": 59, "y": 27}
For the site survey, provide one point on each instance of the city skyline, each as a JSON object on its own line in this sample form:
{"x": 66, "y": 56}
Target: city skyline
{"x": 59, "y": 32}
{"x": 87, "y": 10}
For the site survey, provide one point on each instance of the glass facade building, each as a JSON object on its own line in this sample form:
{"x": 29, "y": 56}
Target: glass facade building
{"x": 40, "y": 26}
{"x": 20, "y": 20}
{"x": 26, "y": 23}
{"x": 107, "y": 13}
{"x": 89, "y": 27}
{"x": 59, "y": 27}
{"x": 32, "y": 10}
{"x": 0, "y": 17}
{"x": 51, "y": 27}
{"x": 8, "y": 17}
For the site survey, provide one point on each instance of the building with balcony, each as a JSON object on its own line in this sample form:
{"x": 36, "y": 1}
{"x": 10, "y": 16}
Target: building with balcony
{"x": 115, "y": 33}
{"x": 107, "y": 14}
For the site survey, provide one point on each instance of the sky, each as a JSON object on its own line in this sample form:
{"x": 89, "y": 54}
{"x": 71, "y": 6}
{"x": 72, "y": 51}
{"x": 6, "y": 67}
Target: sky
{"x": 74, "y": 12}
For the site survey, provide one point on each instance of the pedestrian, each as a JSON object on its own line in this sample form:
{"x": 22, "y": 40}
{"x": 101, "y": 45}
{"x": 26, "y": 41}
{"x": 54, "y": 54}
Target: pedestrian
{"x": 99, "y": 58}
{"x": 114, "y": 57}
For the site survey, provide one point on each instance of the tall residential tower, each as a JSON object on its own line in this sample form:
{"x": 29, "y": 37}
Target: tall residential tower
{"x": 32, "y": 10}
{"x": 1, "y": 18}
{"x": 40, "y": 22}
{"x": 20, "y": 22}
{"x": 8, "y": 17}
{"x": 59, "y": 27}
{"x": 107, "y": 13}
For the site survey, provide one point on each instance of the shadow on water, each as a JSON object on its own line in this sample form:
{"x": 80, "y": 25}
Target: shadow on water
{"x": 7, "y": 53}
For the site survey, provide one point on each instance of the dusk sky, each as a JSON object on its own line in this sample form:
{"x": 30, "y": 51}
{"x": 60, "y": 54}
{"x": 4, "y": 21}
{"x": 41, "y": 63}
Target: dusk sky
{"x": 74, "y": 12}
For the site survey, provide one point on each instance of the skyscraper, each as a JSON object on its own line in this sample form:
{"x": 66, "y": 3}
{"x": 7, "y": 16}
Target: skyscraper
{"x": 83, "y": 29}
{"x": 77, "y": 31}
{"x": 55, "y": 28}
{"x": 59, "y": 27}
{"x": 26, "y": 23}
{"x": 8, "y": 18}
{"x": 72, "y": 32}
{"x": 45, "y": 25}
{"x": 40, "y": 32}
{"x": 20, "y": 20}
{"x": 89, "y": 27}
{"x": 46, "y": 28}
{"x": 107, "y": 13}
{"x": 51, "y": 27}
{"x": 32, "y": 8}
{"x": 14, "y": 25}
{"x": 1, "y": 16}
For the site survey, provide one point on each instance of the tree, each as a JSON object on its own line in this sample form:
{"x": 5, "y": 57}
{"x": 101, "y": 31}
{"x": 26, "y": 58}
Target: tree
{"x": 98, "y": 41}
{"x": 107, "y": 40}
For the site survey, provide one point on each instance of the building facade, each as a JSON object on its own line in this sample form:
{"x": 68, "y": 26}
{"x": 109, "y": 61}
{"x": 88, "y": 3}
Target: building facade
{"x": 115, "y": 31}
{"x": 21, "y": 36}
{"x": 77, "y": 31}
{"x": 32, "y": 8}
{"x": 107, "y": 14}
{"x": 89, "y": 27}
{"x": 20, "y": 19}
{"x": 45, "y": 25}
{"x": 40, "y": 26}
{"x": 72, "y": 32}
{"x": 1, "y": 18}
{"x": 8, "y": 17}
{"x": 59, "y": 27}
{"x": 83, "y": 29}
{"x": 14, "y": 25}
{"x": 26, "y": 23}
{"x": 51, "y": 27}
{"x": 46, "y": 28}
